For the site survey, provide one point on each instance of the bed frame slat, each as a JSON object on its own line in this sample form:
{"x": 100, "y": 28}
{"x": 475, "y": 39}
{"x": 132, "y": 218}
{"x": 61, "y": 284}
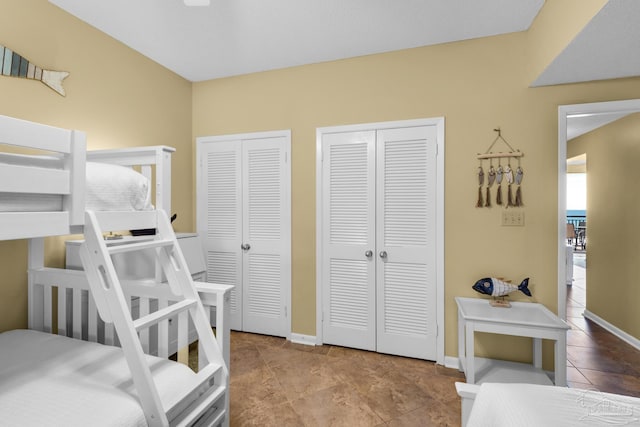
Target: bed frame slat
{"x": 20, "y": 179}
{"x": 92, "y": 320}
{"x": 62, "y": 311}
{"x": 54, "y": 276}
{"x": 48, "y": 312}
{"x": 77, "y": 314}
{"x": 23, "y": 133}
{"x": 131, "y": 156}
{"x": 24, "y": 225}
{"x": 125, "y": 221}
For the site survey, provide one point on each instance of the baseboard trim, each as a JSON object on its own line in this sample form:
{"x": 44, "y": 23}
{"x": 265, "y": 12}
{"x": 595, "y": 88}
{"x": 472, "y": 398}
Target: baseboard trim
{"x": 629, "y": 339}
{"x": 303, "y": 339}
{"x": 451, "y": 362}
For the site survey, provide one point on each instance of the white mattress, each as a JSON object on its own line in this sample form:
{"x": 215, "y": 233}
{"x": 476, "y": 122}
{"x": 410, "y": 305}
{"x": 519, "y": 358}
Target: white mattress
{"x": 521, "y": 405}
{"x": 108, "y": 188}
{"x": 48, "y": 380}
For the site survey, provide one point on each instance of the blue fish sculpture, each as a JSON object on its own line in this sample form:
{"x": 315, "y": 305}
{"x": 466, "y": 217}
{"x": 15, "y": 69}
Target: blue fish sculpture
{"x": 497, "y": 288}
{"x": 14, "y": 65}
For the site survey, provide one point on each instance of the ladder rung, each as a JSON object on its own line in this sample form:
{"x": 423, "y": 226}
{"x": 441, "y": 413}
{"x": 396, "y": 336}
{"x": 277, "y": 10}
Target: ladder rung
{"x": 201, "y": 406}
{"x": 130, "y": 247}
{"x": 162, "y": 314}
{"x": 196, "y": 392}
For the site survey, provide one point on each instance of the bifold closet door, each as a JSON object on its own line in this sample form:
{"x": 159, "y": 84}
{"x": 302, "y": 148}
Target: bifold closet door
{"x": 379, "y": 240}
{"x": 245, "y": 185}
{"x": 266, "y": 236}
{"x": 348, "y": 210}
{"x": 406, "y": 242}
{"x": 222, "y": 213}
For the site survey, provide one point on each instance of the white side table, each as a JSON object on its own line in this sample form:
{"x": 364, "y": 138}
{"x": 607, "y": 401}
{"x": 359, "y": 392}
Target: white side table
{"x": 522, "y": 319}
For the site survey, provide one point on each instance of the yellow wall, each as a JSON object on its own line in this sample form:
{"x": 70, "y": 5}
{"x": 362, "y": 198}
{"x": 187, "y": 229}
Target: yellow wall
{"x": 613, "y": 209}
{"x": 476, "y": 85}
{"x": 118, "y": 97}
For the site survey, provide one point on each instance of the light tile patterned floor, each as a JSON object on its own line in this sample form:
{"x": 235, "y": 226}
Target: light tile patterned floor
{"x": 277, "y": 383}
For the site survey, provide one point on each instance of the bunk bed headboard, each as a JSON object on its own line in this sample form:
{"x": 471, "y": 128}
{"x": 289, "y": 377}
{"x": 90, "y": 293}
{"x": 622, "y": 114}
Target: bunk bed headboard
{"x": 145, "y": 157}
{"x": 67, "y": 150}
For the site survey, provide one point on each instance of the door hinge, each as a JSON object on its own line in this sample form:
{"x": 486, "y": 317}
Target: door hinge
{"x": 285, "y": 311}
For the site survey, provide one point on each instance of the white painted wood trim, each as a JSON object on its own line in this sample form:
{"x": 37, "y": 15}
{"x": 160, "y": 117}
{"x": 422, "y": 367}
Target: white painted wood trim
{"x": 319, "y": 247}
{"x": 452, "y": 363}
{"x": 629, "y": 339}
{"x": 380, "y": 125}
{"x": 467, "y": 393}
{"x": 303, "y": 339}
{"x": 439, "y": 122}
{"x": 562, "y": 214}
{"x": 35, "y": 261}
{"x": 564, "y": 112}
{"x": 76, "y": 163}
{"x": 24, "y": 133}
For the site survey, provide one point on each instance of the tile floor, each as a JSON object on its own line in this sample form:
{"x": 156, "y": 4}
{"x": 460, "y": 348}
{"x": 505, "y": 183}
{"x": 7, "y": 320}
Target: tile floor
{"x": 277, "y": 383}
{"x": 597, "y": 359}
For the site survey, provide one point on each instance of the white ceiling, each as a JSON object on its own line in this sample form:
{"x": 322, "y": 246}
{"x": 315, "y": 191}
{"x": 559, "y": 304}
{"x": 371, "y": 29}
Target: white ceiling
{"x": 232, "y": 37}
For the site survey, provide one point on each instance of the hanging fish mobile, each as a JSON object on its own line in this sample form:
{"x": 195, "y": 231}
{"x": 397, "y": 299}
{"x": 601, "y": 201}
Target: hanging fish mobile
{"x": 499, "y": 174}
{"x": 15, "y": 65}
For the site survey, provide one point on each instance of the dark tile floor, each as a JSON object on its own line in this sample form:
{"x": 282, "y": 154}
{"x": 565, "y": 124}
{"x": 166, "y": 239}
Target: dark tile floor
{"x": 596, "y": 359}
{"x": 277, "y": 383}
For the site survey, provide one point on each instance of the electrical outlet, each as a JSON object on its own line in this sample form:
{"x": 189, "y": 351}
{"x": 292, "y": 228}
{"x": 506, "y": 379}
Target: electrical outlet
{"x": 512, "y": 218}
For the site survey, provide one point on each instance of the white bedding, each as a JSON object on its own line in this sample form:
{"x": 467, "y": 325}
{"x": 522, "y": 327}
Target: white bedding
{"x": 522, "y": 405}
{"x": 48, "y": 380}
{"x": 116, "y": 188}
{"x": 108, "y": 188}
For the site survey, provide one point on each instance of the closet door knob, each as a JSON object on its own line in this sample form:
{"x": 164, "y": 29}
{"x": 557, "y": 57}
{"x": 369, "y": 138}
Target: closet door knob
{"x": 368, "y": 254}
{"x": 383, "y": 254}
{"x": 245, "y": 246}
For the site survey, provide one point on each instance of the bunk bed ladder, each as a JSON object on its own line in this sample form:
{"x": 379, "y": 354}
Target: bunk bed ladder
{"x": 204, "y": 401}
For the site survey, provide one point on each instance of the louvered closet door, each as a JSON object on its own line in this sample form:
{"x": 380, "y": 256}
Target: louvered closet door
{"x": 348, "y": 233}
{"x": 266, "y": 216}
{"x": 406, "y": 242}
{"x": 222, "y": 212}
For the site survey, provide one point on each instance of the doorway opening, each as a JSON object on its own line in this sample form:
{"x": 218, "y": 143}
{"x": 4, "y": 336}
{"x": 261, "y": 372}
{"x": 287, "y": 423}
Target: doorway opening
{"x": 576, "y": 250}
{"x": 573, "y": 121}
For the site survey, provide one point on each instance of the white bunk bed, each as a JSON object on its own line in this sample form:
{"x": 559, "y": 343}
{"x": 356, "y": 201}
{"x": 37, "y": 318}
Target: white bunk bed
{"x": 57, "y": 379}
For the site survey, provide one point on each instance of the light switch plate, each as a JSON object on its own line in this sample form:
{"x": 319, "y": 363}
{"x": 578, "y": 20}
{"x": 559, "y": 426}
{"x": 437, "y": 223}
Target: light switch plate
{"x": 512, "y": 218}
